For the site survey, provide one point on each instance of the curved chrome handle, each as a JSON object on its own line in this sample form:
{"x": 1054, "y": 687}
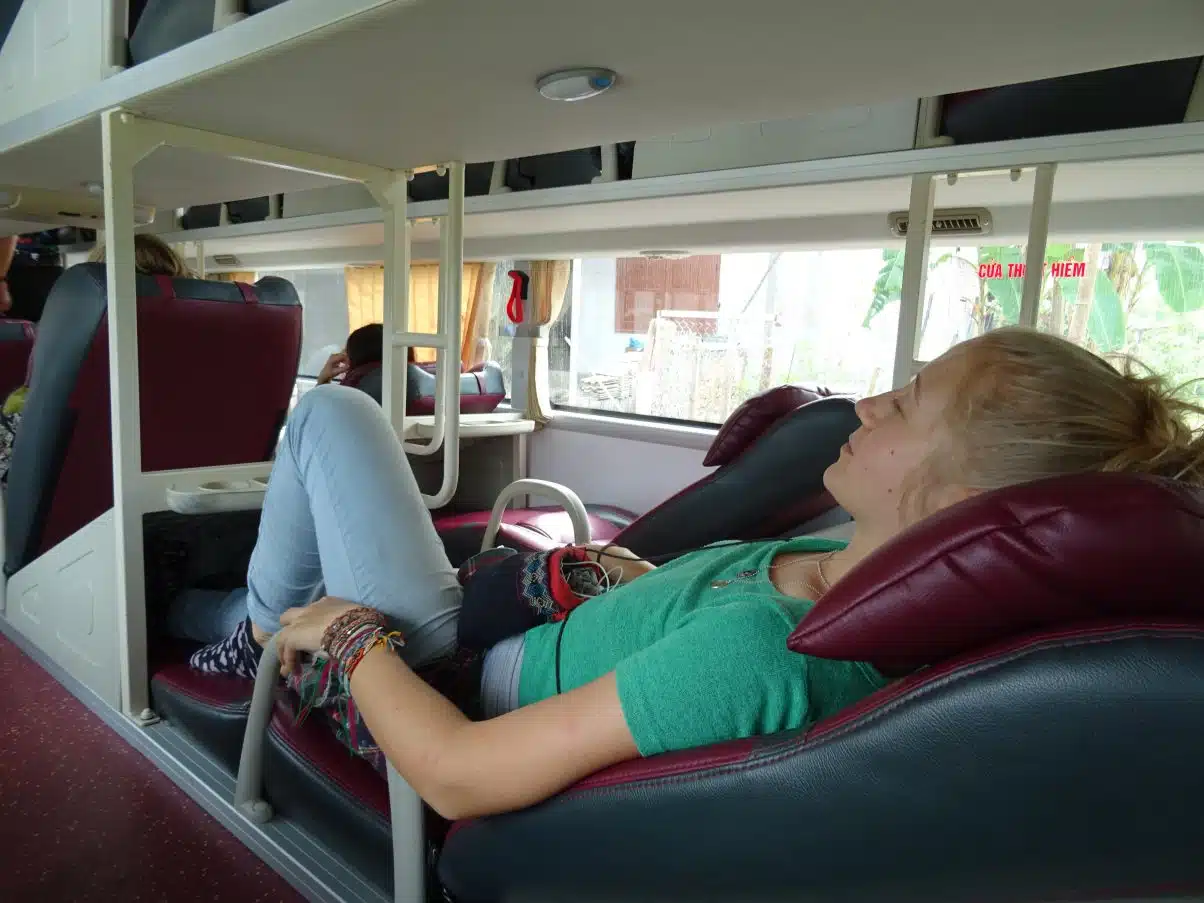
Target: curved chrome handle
{"x": 569, "y": 500}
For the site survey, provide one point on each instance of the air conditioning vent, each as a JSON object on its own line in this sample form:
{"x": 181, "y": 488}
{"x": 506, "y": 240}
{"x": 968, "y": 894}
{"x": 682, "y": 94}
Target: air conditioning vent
{"x": 948, "y": 223}
{"x": 226, "y": 260}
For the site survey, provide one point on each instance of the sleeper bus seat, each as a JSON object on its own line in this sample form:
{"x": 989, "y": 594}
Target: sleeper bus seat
{"x": 205, "y": 551}
{"x": 1052, "y": 638}
{"x": 538, "y": 528}
{"x": 482, "y": 388}
{"x": 16, "y": 347}
{"x": 770, "y": 457}
{"x": 1050, "y": 610}
{"x": 192, "y": 415}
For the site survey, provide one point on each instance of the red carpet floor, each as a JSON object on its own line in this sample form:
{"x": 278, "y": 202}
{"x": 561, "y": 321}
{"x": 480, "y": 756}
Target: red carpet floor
{"x": 84, "y": 817}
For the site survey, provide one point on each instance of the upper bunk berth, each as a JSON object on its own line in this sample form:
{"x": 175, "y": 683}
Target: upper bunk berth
{"x": 401, "y": 84}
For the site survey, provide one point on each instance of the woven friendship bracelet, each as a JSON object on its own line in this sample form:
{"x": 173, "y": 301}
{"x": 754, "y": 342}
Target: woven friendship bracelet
{"x": 333, "y": 635}
{"x": 353, "y": 635}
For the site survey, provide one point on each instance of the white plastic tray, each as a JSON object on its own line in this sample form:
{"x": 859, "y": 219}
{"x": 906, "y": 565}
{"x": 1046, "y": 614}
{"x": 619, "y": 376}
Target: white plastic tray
{"x": 220, "y": 495}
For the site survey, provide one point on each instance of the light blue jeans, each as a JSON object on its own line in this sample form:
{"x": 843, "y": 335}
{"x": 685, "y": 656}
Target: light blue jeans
{"x": 343, "y": 516}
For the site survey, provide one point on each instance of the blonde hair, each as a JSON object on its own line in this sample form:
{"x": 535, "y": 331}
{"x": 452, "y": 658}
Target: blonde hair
{"x": 152, "y": 257}
{"x": 1031, "y": 405}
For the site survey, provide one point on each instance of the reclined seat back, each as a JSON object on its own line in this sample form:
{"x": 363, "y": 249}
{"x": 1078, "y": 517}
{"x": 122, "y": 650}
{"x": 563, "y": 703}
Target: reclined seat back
{"x": 217, "y": 363}
{"x": 16, "y": 345}
{"x": 772, "y": 487}
{"x": 482, "y": 388}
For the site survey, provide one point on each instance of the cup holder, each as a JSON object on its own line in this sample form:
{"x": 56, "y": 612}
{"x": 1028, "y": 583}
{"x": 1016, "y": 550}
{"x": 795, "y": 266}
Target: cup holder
{"x": 232, "y": 486}
{"x": 218, "y": 495}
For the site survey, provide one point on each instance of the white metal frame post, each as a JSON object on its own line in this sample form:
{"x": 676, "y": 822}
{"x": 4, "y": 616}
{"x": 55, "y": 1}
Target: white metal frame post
{"x": 128, "y": 139}
{"x": 1038, "y": 237}
{"x": 123, "y": 149}
{"x": 915, "y": 277}
{"x": 393, "y": 199}
{"x": 115, "y": 34}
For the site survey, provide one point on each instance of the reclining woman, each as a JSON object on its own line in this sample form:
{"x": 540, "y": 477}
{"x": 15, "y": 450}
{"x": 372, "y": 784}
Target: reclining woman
{"x": 690, "y": 653}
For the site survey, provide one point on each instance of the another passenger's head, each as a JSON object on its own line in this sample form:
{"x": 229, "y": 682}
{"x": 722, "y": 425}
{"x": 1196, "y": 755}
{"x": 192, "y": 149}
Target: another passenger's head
{"x": 152, "y": 257}
{"x": 1009, "y": 407}
{"x": 365, "y": 345}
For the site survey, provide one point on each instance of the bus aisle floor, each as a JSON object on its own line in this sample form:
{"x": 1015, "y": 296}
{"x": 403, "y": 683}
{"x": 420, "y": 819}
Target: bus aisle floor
{"x": 84, "y": 817}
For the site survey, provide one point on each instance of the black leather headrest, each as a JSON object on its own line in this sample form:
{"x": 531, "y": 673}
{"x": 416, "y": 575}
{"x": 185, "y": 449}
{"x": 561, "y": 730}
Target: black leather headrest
{"x": 772, "y": 487}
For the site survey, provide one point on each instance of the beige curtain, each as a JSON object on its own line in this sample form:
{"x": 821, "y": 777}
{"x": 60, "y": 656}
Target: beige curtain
{"x": 548, "y": 291}
{"x": 241, "y": 276}
{"x": 366, "y": 302}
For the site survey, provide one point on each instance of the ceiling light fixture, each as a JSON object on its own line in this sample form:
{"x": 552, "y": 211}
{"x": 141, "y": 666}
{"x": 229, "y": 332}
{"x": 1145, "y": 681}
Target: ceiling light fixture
{"x": 571, "y": 85}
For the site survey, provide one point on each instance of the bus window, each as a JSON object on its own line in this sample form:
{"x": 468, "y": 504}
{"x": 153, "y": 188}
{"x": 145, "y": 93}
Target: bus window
{"x": 691, "y": 338}
{"x": 1143, "y": 299}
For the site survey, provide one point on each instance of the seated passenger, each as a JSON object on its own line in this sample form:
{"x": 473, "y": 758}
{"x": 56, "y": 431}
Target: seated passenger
{"x": 683, "y": 655}
{"x": 364, "y": 347}
{"x": 152, "y": 257}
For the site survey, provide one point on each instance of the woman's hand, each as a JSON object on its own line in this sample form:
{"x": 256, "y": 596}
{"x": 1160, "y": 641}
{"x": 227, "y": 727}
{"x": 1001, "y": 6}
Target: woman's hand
{"x": 335, "y": 365}
{"x": 301, "y": 629}
{"x": 610, "y": 557}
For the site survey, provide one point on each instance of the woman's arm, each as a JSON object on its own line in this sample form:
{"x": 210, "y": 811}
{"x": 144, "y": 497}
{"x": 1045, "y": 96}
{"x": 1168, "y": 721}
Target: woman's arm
{"x": 462, "y": 768}
{"x": 467, "y": 769}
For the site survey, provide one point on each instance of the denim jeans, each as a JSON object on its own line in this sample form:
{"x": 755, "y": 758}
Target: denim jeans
{"x": 342, "y": 516}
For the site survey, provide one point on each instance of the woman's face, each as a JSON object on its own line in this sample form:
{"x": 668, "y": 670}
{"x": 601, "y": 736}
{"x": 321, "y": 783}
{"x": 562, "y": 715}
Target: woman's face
{"x": 883, "y": 459}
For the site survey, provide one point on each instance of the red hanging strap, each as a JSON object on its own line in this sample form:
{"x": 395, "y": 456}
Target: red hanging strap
{"x": 518, "y": 294}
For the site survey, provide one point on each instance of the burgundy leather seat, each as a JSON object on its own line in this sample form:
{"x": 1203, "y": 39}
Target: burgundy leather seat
{"x": 482, "y": 388}
{"x": 1050, "y": 641}
{"x": 190, "y": 333}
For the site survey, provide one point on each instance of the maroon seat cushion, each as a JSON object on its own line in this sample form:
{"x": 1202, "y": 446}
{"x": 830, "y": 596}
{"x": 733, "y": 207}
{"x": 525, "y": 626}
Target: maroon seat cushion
{"x": 750, "y": 421}
{"x": 1050, "y": 553}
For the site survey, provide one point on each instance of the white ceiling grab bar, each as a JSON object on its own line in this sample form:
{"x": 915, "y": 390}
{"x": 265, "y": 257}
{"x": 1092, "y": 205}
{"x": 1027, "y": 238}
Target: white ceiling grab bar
{"x": 569, "y": 500}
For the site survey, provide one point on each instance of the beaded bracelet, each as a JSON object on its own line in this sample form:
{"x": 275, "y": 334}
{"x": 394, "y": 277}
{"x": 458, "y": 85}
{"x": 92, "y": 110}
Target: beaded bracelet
{"x": 353, "y": 635}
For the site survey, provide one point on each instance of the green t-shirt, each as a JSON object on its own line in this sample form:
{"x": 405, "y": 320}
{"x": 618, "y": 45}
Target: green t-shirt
{"x": 699, "y": 650}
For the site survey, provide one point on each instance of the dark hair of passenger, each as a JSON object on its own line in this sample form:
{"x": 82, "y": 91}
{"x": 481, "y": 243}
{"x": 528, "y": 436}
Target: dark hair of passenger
{"x": 364, "y": 346}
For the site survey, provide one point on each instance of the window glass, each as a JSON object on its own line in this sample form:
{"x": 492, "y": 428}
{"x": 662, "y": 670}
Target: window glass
{"x": 970, "y": 290}
{"x": 1139, "y": 298}
{"x": 498, "y": 332}
{"x": 1142, "y": 299}
{"x": 323, "y": 294}
{"x": 692, "y": 338}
